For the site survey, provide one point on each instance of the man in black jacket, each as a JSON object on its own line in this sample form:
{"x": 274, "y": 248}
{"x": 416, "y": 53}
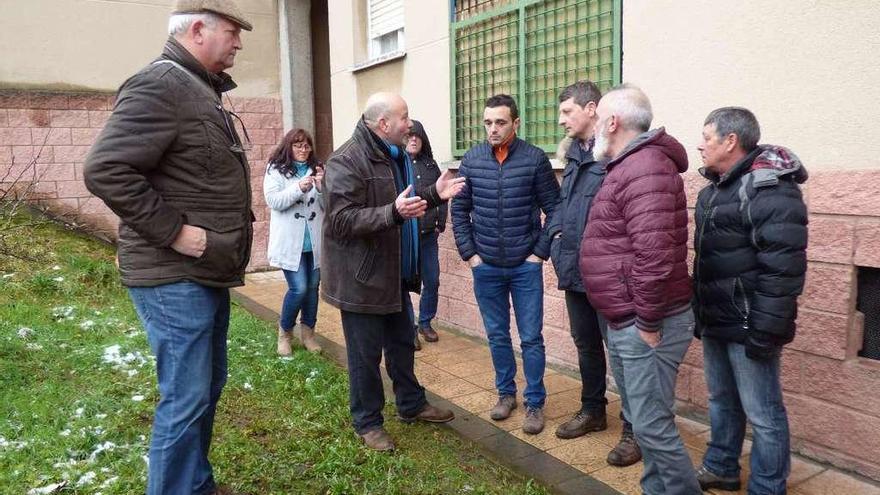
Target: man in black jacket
{"x": 497, "y": 225}
{"x": 581, "y": 180}
{"x": 170, "y": 164}
{"x": 750, "y": 243}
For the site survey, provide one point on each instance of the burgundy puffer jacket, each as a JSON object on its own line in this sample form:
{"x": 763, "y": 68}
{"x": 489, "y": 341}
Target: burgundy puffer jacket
{"x": 633, "y": 256}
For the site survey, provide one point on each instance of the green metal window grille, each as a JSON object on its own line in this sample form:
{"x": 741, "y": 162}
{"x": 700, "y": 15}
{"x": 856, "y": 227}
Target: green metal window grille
{"x": 530, "y": 49}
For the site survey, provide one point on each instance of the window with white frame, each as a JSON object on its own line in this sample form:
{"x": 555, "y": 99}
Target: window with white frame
{"x": 385, "y": 27}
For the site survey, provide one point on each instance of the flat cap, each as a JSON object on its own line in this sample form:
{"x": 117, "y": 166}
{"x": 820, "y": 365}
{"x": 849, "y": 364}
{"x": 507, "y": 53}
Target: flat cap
{"x": 225, "y": 8}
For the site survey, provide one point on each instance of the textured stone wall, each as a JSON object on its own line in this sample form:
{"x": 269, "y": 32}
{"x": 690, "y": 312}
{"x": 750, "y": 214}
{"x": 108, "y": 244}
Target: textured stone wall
{"x": 58, "y": 128}
{"x": 831, "y": 393}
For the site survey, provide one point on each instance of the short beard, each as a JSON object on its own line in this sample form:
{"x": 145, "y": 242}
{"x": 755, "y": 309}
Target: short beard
{"x": 600, "y": 146}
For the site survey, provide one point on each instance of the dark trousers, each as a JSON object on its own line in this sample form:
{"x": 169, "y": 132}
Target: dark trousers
{"x": 366, "y": 337}
{"x": 587, "y": 335}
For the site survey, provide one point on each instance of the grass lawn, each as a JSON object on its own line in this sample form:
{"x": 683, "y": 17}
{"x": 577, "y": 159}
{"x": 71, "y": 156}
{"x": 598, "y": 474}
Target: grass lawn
{"x": 78, "y": 391}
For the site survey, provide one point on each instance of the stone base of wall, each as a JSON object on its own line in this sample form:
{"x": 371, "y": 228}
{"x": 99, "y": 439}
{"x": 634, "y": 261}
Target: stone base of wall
{"x": 45, "y": 137}
{"x": 830, "y": 392}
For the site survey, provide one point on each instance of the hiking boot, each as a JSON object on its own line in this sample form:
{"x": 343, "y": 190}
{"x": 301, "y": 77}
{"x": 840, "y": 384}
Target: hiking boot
{"x": 378, "y": 439}
{"x": 709, "y": 480}
{"x": 417, "y": 343}
{"x": 428, "y": 333}
{"x": 582, "y": 423}
{"x": 627, "y": 451}
{"x": 307, "y": 335}
{"x": 506, "y": 404}
{"x": 430, "y": 414}
{"x": 284, "y": 341}
{"x": 534, "y": 422}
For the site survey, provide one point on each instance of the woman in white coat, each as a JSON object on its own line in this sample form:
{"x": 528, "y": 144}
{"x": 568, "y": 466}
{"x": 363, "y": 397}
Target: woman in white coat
{"x": 292, "y": 188}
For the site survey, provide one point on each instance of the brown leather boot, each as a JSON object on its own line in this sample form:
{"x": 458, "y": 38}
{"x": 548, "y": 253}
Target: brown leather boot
{"x": 627, "y": 451}
{"x": 307, "y": 335}
{"x": 582, "y": 423}
{"x": 534, "y": 422}
{"x": 430, "y": 414}
{"x": 428, "y": 333}
{"x": 283, "y": 341}
{"x": 378, "y": 439}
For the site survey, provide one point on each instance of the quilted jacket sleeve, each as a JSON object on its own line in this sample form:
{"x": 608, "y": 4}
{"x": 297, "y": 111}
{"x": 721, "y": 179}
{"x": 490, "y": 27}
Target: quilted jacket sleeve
{"x": 548, "y": 199}
{"x": 778, "y": 217}
{"x": 462, "y": 228}
{"x": 648, "y": 198}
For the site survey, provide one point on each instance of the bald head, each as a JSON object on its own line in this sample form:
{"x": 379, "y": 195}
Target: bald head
{"x": 387, "y": 115}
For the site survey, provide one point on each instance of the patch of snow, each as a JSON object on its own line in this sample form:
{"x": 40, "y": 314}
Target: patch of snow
{"x": 87, "y": 324}
{"x": 32, "y": 346}
{"x": 25, "y": 332}
{"x": 86, "y": 479}
{"x": 137, "y": 398}
{"x": 248, "y": 386}
{"x": 63, "y": 312}
{"x": 54, "y": 487}
{"x": 58, "y": 279}
{"x": 101, "y": 447}
{"x": 8, "y": 275}
{"x": 56, "y": 268}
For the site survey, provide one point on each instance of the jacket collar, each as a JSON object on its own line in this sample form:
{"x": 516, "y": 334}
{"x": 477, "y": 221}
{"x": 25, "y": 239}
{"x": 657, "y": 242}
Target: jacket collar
{"x": 371, "y": 143}
{"x": 173, "y": 50}
{"x": 735, "y": 171}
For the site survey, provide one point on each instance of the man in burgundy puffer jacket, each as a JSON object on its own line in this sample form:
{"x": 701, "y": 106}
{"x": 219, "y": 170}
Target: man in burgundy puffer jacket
{"x": 633, "y": 261}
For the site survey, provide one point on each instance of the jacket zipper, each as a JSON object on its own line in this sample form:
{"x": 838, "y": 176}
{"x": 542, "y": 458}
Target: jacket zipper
{"x": 700, "y": 242}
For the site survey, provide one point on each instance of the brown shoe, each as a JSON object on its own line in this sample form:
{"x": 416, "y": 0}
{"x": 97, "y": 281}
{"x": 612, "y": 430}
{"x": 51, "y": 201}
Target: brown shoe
{"x": 307, "y": 335}
{"x": 428, "y": 333}
{"x": 284, "y": 341}
{"x": 582, "y": 423}
{"x": 430, "y": 414}
{"x": 506, "y": 404}
{"x": 534, "y": 422}
{"x": 627, "y": 451}
{"x": 378, "y": 439}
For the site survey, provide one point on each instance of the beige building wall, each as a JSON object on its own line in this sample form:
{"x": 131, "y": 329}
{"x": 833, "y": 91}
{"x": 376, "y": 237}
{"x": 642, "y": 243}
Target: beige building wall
{"x": 807, "y": 69}
{"x": 421, "y": 77}
{"x": 94, "y": 45}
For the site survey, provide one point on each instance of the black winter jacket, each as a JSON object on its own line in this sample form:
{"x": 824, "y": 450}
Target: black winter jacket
{"x": 750, "y": 243}
{"x": 427, "y": 173}
{"x": 581, "y": 180}
{"x": 498, "y": 213}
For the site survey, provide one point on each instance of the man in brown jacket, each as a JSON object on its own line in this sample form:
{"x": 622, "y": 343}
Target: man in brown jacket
{"x": 171, "y": 166}
{"x": 370, "y": 262}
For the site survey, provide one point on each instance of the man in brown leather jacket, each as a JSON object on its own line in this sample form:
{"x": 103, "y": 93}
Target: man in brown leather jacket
{"x": 370, "y": 260}
{"x": 171, "y": 166}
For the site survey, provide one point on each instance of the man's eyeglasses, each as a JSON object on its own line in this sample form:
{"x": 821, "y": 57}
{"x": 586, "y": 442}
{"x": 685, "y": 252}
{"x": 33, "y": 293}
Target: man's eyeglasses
{"x": 237, "y": 145}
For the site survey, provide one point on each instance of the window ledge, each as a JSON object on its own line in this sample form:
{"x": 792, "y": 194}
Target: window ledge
{"x": 384, "y": 59}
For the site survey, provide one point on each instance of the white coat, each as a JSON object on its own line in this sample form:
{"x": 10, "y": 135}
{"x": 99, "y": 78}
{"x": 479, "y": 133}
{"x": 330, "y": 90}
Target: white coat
{"x": 292, "y": 211}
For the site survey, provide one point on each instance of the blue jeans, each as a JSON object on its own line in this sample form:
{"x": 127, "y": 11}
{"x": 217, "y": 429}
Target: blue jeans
{"x": 741, "y": 388}
{"x": 649, "y": 375}
{"x": 186, "y": 326}
{"x": 366, "y": 336}
{"x": 494, "y": 287}
{"x": 302, "y": 293}
{"x": 429, "y": 268}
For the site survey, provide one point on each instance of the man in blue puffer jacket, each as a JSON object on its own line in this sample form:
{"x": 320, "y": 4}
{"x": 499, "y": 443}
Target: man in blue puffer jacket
{"x": 497, "y": 224}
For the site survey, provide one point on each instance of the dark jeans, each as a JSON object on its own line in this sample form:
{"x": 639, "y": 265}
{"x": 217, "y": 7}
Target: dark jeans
{"x": 186, "y": 326}
{"x": 495, "y": 287}
{"x": 302, "y": 293}
{"x": 366, "y": 336}
{"x": 741, "y": 388}
{"x": 587, "y": 335}
{"x": 429, "y": 268}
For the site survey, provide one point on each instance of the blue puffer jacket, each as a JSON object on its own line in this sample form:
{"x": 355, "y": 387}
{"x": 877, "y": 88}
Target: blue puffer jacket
{"x": 498, "y": 213}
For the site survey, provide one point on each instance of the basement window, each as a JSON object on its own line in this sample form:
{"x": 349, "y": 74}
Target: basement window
{"x": 868, "y": 302}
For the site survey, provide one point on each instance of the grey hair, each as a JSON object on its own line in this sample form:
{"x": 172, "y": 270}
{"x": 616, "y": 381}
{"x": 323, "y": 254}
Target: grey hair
{"x": 179, "y": 23}
{"x": 736, "y": 120}
{"x": 631, "y": 105}
{"x": 375, "y": 111}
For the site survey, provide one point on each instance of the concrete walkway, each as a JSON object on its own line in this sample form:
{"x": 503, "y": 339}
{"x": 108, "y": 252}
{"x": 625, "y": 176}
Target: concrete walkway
{"x": 457, "y": 371}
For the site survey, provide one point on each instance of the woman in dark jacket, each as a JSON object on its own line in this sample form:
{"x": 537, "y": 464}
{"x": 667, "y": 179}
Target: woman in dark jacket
{"x": 431, "y": 224}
